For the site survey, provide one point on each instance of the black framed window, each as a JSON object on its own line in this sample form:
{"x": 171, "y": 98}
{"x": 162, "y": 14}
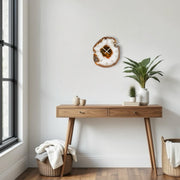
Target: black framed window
{"x": 8, "y": 72}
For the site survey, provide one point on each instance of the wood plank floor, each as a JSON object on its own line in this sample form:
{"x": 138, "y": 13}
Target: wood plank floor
{"x": 100, "y": 174}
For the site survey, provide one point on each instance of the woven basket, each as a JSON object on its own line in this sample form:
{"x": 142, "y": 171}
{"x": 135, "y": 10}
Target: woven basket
{"x": 167, "y": 168}
{"x": 45, "y": 168}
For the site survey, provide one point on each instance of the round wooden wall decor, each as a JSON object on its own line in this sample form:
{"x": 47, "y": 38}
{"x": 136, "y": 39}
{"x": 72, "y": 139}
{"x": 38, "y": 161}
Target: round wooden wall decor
{"x": 106, "y": 52}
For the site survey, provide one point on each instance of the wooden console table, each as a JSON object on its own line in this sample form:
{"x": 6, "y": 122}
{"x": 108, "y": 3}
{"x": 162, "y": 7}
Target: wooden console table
{"x": 95, "y": 111}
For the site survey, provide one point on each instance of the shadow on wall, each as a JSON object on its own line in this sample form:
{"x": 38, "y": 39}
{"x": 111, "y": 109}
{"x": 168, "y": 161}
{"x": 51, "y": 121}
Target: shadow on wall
{"x": 170, "y": 84}
{"x": 167, "y": 126}
{"x": 170, "y": 123}
{"x": 110, "y": 127}
{"x": 168, "y": 97}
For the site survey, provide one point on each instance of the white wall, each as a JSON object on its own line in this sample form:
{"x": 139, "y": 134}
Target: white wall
{"x": 62, "y": 34}
{"x": 15, "y": 160}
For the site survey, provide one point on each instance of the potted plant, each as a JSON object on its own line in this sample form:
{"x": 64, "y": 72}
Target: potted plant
{"x": 141, "y": 72}
{"x": 132, "y": 94}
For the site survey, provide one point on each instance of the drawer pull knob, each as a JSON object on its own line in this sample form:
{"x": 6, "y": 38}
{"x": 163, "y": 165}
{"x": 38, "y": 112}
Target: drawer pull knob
{"x": 135, "y": 113}
{"x": 81, "y": 112}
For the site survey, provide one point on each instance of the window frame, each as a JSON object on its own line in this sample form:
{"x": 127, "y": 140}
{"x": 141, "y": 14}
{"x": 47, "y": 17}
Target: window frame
{"x": 13, "y": 53}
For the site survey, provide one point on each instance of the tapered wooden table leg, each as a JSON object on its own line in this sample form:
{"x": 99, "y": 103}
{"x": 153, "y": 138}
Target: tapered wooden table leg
{"x": 68, "y": 141}
{"x": 150, "y": 144}
{"x": 149, "y": 147}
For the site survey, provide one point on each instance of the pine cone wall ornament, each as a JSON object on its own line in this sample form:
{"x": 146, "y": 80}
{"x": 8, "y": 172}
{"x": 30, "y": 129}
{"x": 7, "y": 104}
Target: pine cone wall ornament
{"x": 106, "y": 52}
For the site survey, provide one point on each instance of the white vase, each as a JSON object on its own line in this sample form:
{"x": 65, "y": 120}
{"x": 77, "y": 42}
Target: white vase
{"x": 143, "y": 96}
{"x": 76, "y": 101}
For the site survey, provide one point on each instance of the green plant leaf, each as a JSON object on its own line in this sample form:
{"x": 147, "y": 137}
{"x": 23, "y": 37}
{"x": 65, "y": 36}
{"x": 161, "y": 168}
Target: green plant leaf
{"x": 156, "y": 72}
{"x": 156, "y": 57}
{"x": 155, "y": 78}
{"x": 127, "y": 67}
{"x": 154, "y": 65}
{"x": 134, "y": 62}
{"x": 142, "y": 71}
{"x": 128, "y": 71}
{"x": 145, "y": 62}
{"x": 136, "y": 72}
{"x": 130, "y": 64}
{"x": 147, "y": 77}
{"x": 153, "y": 61}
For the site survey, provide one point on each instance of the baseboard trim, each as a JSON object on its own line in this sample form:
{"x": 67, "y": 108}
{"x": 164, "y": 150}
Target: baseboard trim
{"x": 111, "y": 161}
{"x": 106, "y": 161}
{"x": 15, "y": 170}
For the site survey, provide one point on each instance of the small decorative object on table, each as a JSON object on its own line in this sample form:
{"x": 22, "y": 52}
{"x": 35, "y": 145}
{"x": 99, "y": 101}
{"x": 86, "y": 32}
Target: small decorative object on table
{"x": 131, "y": 103}
{"x": 132, "y": 94}
{"x": 132, "y": 97}
{"x": 141, "y": 72}
{"x": 82, "y": 102}
{"x": 76, "y": 101}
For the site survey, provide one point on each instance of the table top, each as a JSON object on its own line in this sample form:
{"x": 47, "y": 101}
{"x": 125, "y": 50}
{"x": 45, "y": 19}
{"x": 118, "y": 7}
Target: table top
{"x": 102, "y": 106}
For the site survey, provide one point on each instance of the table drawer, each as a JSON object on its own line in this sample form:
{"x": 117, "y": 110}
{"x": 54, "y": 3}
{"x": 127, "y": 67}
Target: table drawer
{"x": 81, "y": 112}
{"x": 136, "y": 112}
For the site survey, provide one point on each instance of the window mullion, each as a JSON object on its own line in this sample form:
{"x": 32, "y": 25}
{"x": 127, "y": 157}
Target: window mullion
{"x": 12, "y": 78}
{"x": 11, "y": 64}
{"x": 15, "y": 66}
{"x": 3, "y": 43}
{"x": 1, "y": 117}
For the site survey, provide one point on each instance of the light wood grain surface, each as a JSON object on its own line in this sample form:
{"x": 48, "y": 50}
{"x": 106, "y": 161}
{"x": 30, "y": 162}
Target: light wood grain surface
{"x": 100, "y": 174}
{"x": 104, "y": 106}
{"x": 82, "y": 112}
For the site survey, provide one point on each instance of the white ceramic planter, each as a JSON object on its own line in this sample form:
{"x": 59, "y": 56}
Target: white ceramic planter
{"x": 132, "y": 99}
{"x": 143, "y": 96}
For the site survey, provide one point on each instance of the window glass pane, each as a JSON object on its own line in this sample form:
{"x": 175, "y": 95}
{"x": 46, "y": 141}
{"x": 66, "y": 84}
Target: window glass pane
{"x": 6, "y": 20}
{"x": 6, "y": 63}
{"x": 7, "y": 109}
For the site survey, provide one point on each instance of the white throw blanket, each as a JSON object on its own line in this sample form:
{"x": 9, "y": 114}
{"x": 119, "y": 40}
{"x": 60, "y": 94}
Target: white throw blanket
{"x": 55, "y": 150}
{"x": 173, "y": 153}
